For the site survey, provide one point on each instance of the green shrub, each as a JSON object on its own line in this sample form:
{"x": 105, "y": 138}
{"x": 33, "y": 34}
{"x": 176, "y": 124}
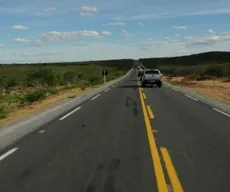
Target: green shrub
{"x": 35, "y": 78}
{"x": 69, "y": 77}
{"x": 4, "y": 112}
{"x": 12, "y": 82}
{"x": 37, "y": 95}
{"x": 80, "y": 76}
{"x": 214, "y": 70}
{"x": 84, "y": 86}
{"x": 3, "y": 83}
{"x": 226, "y": 71}
{"x": 118, "y": 73}
{"x": 44, "y": 77}
{"x": 94, "y": 80}
{"x": 34, "y": 96}
{"x": 52, "y": 91}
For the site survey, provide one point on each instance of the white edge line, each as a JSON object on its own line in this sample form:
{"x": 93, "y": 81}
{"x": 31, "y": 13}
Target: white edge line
{"x": 191, "y": 97}
{"x": 70, "y": 113}
{"x": 41, "y": 131}
{"x": 106, "y": 90}
{"x": 8, "y": 153}
{"x": 174, "y": 89}
{"x": 95, "y": 97}
{"x": 201, "y": 97}
{"x": 221, "y": 112}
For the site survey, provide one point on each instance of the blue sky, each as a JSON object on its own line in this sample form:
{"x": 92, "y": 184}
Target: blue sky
{"x": 70, "y": 30}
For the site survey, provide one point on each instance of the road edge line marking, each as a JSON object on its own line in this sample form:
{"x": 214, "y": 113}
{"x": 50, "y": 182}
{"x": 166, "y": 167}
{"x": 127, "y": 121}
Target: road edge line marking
{"x": 95, "y": 97}
{"x": 150, "y": 112}
{"x": 8, "y": 153}
{"x": 221, "y": 112}
{"x": 175, "y": 182}
{"x": 107, "y": 90}
{"x": 70, "y": 113}
{"x": 191, "y": 97}
{"x": 161, "y": 182}
{"x": 175, "y": 89}
{"x": 41, "y": 131}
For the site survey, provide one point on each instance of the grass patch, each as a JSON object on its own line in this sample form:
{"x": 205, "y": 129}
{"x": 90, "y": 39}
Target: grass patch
{"x": 4, "y": 112}
{"x": 37, "y": 95}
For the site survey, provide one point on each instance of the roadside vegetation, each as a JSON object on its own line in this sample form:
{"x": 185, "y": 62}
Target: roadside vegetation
{"x": 205, "y": 73}
{"x": 196, "y": 67}
{"x": 24, "y": 84}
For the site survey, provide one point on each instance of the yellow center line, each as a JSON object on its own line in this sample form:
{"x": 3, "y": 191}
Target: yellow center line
{"x": 176, "y": 185}
{"x": 151, "y": 115}
{"x": 144, "y": 95}
{"x": 161, "y": 183}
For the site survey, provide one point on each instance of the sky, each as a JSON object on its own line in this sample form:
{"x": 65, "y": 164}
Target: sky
{"x": 70, "y": 30}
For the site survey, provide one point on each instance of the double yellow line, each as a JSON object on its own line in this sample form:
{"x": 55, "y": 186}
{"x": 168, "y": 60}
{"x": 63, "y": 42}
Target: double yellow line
{"x": 160, "y": 177}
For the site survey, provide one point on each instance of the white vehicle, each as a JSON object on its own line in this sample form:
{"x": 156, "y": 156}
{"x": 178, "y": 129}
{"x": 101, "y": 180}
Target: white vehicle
{"x": 152, "y": 77}
{"x": 140, "y": 72}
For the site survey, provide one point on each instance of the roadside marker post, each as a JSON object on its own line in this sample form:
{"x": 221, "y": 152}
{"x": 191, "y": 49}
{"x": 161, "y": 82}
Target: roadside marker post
{"x": 104, "y": 73}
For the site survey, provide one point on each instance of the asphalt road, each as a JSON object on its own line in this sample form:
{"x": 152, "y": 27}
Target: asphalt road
{"x": 125, "y": 139}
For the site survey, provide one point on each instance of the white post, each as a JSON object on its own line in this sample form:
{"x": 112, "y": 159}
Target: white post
{"x": 104, "y": 77}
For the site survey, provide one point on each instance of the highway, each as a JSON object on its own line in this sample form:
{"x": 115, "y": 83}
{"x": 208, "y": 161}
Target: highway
{"x": 126, "y": 139}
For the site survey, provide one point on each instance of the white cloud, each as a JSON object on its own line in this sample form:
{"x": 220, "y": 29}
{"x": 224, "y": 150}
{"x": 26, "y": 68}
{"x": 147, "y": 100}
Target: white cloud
{"x": 47, "y": 11}
{"x": 21, "y": 40}
{"x": 1, "y": 45}
{"x": 106, "y": 33}
{"x": 174, "y": 14}
{"x": 28, "y": 53}
{"x": 13, "y": 10}
{"x": 38, "y": 42}
{"x": 140, "y": 23}
{"x": 182, "y": 27}
{"x": 50, "y": 10}
{"x": 118, "y": 23}
{"x": 189, "y": 38}
{"x": 126, "y": 34}
{"x": 211, "y": 12}
{"x": 88, "y": 11}
{"x": 19, "y": 27}
{"x": 62, "y": 36}
{"x": 102, "y": 50}
{"x": 211, "y": 31}
{"x": 209, "y": 40}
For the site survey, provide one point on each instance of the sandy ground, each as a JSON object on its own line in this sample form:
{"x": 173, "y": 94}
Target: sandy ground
{"x": 217, "y": 89}
{"x": 45, "y": 104}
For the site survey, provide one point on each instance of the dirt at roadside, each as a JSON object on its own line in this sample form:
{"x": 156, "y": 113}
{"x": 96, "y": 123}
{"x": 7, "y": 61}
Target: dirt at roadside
{"x": 42, "y": 105}
{"x": 218, "y": 89}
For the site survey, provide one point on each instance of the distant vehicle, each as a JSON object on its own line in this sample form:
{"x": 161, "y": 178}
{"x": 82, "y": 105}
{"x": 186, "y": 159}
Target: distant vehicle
{"x": 152, "y": 77}
{"x": 140, "y": 73}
